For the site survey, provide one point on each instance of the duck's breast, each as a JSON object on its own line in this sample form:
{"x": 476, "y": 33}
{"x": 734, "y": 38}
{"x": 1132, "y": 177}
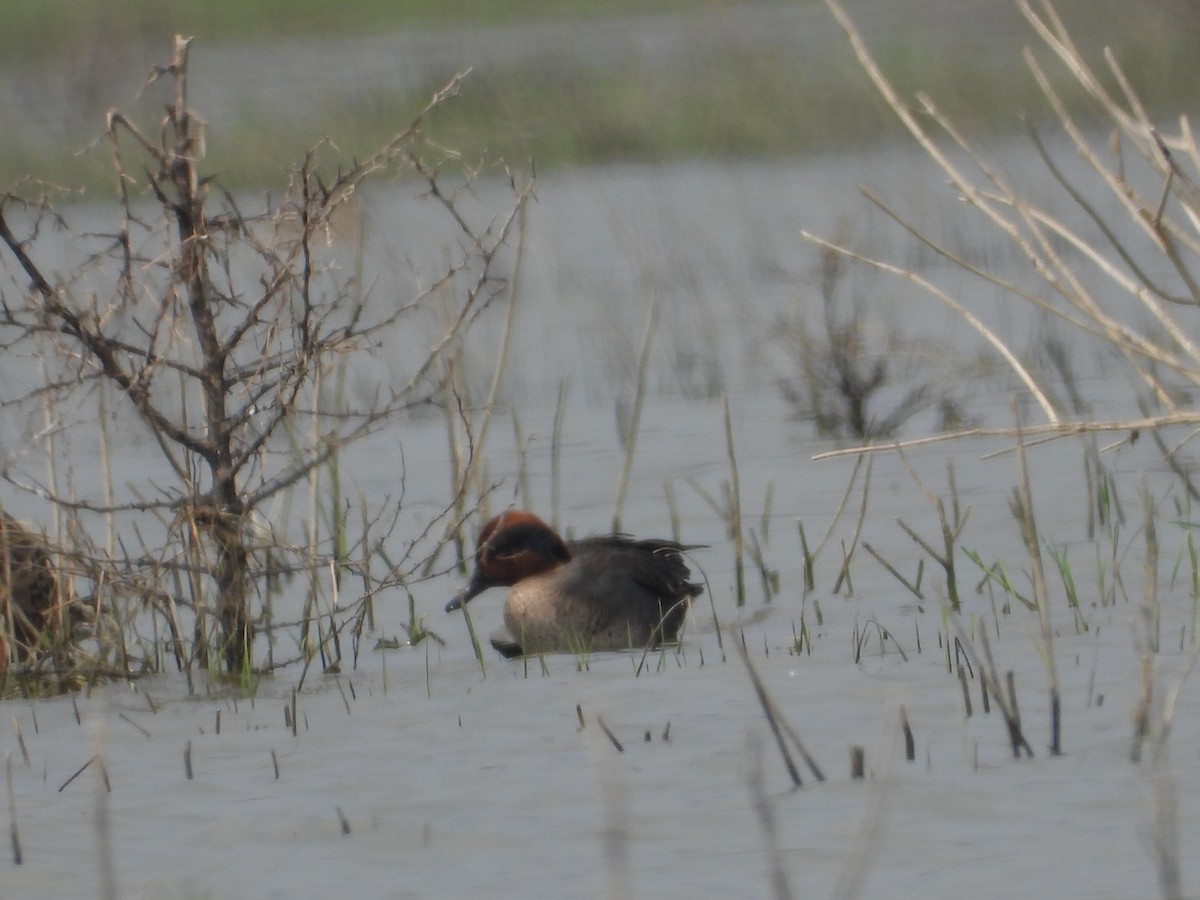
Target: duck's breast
{"x": 598, "y": 601}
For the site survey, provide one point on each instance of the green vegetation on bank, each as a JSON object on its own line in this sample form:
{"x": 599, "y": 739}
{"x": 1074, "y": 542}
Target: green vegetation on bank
{"x": 735, "y": 100}
{"x": 47, "y": 27}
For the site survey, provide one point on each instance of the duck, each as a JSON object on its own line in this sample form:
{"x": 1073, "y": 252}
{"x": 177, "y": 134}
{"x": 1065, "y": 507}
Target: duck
{"x": 29, "y": 591}
{"x": 608, "y": 592}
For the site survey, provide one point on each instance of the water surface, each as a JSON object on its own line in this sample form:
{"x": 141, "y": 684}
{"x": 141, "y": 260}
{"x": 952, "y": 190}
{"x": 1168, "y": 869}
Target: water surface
{"x": 453, "y": 781}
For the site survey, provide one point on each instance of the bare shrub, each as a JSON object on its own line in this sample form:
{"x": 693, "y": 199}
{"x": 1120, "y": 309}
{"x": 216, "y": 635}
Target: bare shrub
{"x": 227, "y": 338}
{"x": 855, "y": 378}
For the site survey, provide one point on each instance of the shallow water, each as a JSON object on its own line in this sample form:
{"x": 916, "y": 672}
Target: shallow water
{"x": 454, "y": 781}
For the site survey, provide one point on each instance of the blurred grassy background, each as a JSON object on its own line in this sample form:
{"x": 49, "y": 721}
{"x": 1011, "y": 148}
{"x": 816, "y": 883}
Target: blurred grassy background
{"x": 51, "y": 26}
{"x": 739, "y": 95}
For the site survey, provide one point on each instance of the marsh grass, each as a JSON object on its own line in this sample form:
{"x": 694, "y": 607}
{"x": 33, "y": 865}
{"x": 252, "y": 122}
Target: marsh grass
{"x": 774, "y": 718}
{"x": 843, "y": 577}
{"x": 811, "y": 554}
{"x": 1023, "y": 509}
{"x": 728, "y": 510}
{"x": 630, "y": 427}
{"x": 1063, "y": 565}
{"x": 733, "y": 507}
{"x": 765, "y": 813}
{"x": 13, "y": 832}
{"x": 951, "y": 526}
{"x": 913, "y": 586}
{"x": 768, "y": 577}
{"x": 997, "y": 575}
{"x": 1002, "y": 690}
{"x": 1123, "y": 281}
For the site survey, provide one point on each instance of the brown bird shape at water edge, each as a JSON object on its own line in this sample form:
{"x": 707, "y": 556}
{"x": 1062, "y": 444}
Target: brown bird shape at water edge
{"x": 31, "y": 603}
{"x": 610, "y": 592}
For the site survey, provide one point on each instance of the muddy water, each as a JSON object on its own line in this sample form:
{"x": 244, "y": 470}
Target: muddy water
{"x": 416, "y": 774}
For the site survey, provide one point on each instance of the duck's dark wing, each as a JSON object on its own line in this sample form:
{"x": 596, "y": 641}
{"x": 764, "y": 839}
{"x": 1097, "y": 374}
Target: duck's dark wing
{"x": 615, "y": 568}
{"x": 655, "y": 565}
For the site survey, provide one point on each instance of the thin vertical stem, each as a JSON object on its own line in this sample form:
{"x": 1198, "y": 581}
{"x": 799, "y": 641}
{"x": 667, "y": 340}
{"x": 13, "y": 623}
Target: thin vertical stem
{"x": 636, "y": 417}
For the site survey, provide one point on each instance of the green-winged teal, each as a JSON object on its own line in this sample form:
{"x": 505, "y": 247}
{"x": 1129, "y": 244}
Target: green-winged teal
{"x": 609, "y": 592}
